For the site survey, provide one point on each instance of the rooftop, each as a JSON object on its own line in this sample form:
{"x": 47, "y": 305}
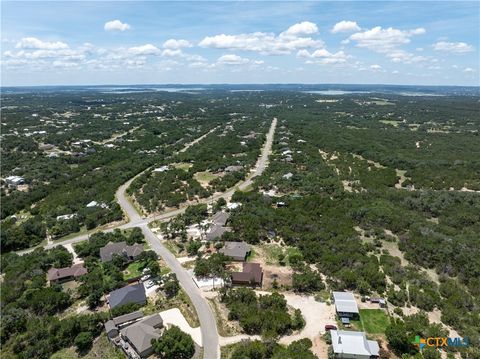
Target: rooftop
{"x": 345, "y": 302}
{"x": 251, "y": 272}
{"x": 75, "y": 271}
{"x": 236, "y": 250}
{"x": 112, "y": 248}
{"x": 356, "y": 343}
{"x": 129, "y": 294}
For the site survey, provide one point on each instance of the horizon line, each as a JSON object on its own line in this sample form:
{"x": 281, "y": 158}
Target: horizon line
{"x": 237, "y": 84}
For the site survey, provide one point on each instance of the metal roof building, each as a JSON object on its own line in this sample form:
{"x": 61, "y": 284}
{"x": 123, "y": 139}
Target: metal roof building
{"x": 350, "y": 345}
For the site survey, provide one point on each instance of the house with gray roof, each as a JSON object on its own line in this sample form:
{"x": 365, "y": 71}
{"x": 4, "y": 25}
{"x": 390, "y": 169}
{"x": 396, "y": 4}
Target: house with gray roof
{"x": 233, "y": 168}
{"x": 220, "y": 218}
{"x": 120, "y": 249}
{"x": 141, "y": 334}
{"x": 126, "y": 295}
{"x": 216, "y": 232}
{"x": 345, "y": 305}
{"x": 353, "y": 345}
{"x": 113, "y": 326}
{"x": 237, "y": 251}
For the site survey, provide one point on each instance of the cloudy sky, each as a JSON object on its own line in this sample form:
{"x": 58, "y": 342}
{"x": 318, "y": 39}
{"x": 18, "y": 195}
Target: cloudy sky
{"x": 98, "y": 42}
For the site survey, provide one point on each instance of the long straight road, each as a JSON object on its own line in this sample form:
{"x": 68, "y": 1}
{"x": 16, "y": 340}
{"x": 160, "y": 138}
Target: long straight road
{"x": 208, "y": 326}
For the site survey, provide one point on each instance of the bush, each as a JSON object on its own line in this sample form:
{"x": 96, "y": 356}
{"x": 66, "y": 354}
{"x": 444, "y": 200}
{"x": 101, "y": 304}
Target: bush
{"x": 174, "y": 344}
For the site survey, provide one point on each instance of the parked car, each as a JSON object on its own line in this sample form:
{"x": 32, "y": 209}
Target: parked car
{"x": 149, "y": 284}
{"x": 145, "y": 277}
{"x": 330, "y": 327}
{"x": 146, "y": 270}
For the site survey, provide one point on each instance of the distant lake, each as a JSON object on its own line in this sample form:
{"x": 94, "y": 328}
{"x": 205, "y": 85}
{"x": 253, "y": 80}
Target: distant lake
{"x": 125, "y": 90}
{"x": 335, "y": 92}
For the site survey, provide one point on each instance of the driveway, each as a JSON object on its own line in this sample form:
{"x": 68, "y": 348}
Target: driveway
{"x": 175, "y": 317}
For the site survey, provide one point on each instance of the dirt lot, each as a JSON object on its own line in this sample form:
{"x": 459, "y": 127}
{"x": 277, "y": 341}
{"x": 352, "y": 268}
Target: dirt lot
{"x": 283, "y": 276}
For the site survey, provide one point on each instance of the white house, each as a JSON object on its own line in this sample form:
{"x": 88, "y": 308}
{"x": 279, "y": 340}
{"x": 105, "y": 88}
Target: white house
{"x": 353, "y": 345}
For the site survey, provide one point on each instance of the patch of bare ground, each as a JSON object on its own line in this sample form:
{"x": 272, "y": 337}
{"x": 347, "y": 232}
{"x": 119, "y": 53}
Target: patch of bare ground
{"x": 319, "y": 347}
{"x": 370, "y": 162}
{"x": 282, "y": 275}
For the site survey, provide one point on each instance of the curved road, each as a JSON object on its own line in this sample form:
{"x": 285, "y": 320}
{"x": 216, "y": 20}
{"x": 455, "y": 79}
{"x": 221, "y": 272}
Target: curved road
{"x": 208, "y": 324}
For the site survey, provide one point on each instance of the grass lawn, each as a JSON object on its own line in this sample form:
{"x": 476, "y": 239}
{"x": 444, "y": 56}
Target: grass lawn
{"x": 205, "y": 176}
{"x": 374, "y": 321}
{"x": 172, "y": 247}
{"x": 133, "y": 270}
{"x": 182, "y": 165}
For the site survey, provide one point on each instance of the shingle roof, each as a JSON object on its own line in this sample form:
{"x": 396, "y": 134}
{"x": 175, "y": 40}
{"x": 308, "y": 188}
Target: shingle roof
{"x": 251, "y": 272}
{"x": 347, "y": 342}
{"x": 345, "y": 302}
{"x": 141, "y": 334}
{"x": 216, "y": 232}
{"x": 75, "y": 271}
{"x": 220, "y": 218}
{"x": 112, "y": 248}
{"x": 109, "y": 326}
{"x": 129, "y": 294}
{"x": 235, "y": 250}
{"x": 127, "y": 317}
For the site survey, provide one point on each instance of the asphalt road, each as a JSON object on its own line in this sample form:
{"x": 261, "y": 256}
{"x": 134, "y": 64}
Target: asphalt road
{"x": 208, "y": 325}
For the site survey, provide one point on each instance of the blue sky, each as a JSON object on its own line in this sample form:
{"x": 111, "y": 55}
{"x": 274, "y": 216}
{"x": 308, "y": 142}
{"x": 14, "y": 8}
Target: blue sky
{"x": 99, "y": 42}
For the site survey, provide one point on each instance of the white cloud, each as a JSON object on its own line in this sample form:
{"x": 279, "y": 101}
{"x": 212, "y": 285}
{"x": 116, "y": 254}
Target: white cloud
{"x": 32, "y": 43}
{"x": 147, "y": 49}
{"x": 384, "y": 40}
{"x": 323, "y": 56}
{"x": 232, "y": 59}
{"x": 171, "y": 53}
{"x": 267, "y": 43}
{"x": 345, "y": 26}
{"x": 405, "y": 57}
{"x": 174, "y": 44}
{"x": 455, "y": 47}
{"x": 469, "y": 69}
{"x": 116, "y": 25}
{"x": 376, "y": 67}
{"x": 302, "y": 28}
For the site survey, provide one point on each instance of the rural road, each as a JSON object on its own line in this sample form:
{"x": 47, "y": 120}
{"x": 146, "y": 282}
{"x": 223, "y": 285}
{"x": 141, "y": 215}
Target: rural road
{"x": 208, "y": 326}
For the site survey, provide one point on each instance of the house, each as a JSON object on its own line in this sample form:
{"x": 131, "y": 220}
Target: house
{"x": 113, "y": 325}
{"x": 161, "y": 169}
{"x": 60, "y": 275}
{"x": 220, "y": 218}
{"x": 14, "y": 181}
{"x": 216, "y": 232}
{"x": 120, "y": 249}
{"x": 252, "y": 274}
{"x": 237, "y": 251}
{"x": 141, "y": 334}
{"x": 66, "y": 217}
{"x": 233, "y": 205}
{"x": 353, "y": 345}
{"x": 126, "y": 295}
{"x": 92, "y": 204}
{"x": 345, "y": 305}
{"x": 233, "y": 168}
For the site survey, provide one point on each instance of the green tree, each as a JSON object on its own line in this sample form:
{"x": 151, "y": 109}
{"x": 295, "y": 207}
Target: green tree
{"x": 174, "y": 344}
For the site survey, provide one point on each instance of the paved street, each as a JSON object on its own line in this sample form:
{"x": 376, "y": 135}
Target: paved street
{"x": 206, "y": 317}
